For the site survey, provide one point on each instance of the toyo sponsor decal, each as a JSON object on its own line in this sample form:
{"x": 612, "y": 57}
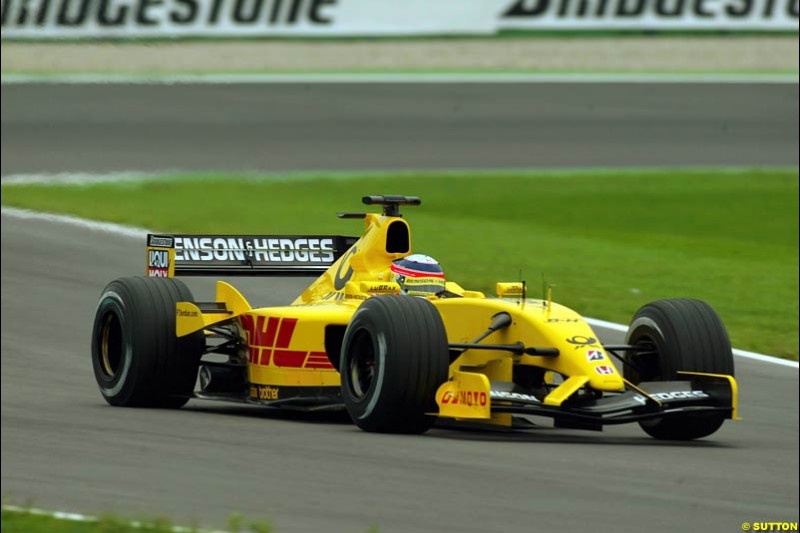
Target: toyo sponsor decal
{"x": 277, "y": 250}
{"x": 268, "y": 341}
{"x": 465, "y": 397}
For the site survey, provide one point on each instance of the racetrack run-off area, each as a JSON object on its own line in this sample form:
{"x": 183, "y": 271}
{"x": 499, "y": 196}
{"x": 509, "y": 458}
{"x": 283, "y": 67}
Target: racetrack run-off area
{"x": 64, "y": 448}
{"x": 318, "y": 126}
{"x": 698, "y": 54}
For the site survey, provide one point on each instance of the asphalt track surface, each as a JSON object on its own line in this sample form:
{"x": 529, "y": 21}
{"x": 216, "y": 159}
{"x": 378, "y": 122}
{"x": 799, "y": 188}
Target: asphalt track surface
{"x": 98, "y": 128}
{"x": 63, "y": 447}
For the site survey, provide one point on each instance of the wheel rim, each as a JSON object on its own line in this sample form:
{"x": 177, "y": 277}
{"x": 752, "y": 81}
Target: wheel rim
{"x": 361, "y": 369}
{"x": 111, "y": 345}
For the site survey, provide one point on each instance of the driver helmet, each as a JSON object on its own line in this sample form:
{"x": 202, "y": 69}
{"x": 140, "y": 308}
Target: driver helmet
{"x": 418, "y": 275}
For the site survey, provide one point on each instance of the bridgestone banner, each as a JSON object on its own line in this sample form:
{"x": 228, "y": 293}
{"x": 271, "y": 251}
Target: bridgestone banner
{"x": 651, "y": 14}
{"x": 75, "y": 19}
{"x": 266, "y": 18}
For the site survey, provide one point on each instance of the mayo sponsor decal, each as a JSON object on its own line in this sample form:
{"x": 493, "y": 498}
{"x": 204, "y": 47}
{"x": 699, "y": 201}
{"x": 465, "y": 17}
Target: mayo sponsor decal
{"x": 465, "y": 397}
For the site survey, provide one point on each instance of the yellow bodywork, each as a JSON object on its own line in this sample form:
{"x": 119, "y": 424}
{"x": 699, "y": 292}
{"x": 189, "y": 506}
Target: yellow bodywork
{"x": 286, "y": 345}
{"x": 731, "y": 382}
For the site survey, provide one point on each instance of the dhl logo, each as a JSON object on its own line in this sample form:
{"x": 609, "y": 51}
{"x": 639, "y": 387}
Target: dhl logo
{"x": 468, "y": 398}
{"x": 268, "y": 340}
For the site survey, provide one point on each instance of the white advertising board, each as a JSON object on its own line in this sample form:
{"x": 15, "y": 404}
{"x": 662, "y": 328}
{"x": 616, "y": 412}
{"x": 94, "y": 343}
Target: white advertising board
{"x": 777, "y": 15}
{"x": 76, "y": 19}
{"x": 42, "y": 19}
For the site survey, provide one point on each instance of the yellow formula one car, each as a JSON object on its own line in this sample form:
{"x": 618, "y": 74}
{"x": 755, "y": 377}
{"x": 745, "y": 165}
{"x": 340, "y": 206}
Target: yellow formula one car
{"x": 395, "y": 344}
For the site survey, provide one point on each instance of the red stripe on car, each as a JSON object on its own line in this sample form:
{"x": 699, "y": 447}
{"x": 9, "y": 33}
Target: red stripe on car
{"x": 286, "y": 332}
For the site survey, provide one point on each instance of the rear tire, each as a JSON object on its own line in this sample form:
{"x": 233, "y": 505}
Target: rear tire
{"x": 684, "y": 335}
{"x": 394, "y": 358}
{"x": 138, "y": 360}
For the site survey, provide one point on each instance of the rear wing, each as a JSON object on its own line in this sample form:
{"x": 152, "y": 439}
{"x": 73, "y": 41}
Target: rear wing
{"x": 243, "y": 255}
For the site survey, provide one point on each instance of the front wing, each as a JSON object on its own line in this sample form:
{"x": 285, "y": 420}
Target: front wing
{"x": 470, "y": 396}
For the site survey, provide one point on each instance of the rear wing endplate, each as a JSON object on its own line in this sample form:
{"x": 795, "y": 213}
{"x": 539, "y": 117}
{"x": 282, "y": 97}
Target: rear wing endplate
{"x": 243, "y": 255}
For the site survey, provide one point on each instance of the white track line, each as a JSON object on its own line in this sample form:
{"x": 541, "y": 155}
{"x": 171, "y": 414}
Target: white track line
{"x": 77, "y": 178}
{"x": 137, "y": 176}
{"x": 741, "y": 353}
{"x": 77, "y": 517}
{"x": 93, "y": 225}
{"x": 141, "y": 233}
{"x": 401, "y": 77}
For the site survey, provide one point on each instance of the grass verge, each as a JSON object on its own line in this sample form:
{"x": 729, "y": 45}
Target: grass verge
{"x": 27, "y": 522}
{"x": 24, "y": 520}
{"x": 609, "y": 242}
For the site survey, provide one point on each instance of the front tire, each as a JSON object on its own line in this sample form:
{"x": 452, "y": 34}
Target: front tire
{"x": 138, "y": 360}
{"x": 394, "y": 357}
{"x": 678, "y": 334}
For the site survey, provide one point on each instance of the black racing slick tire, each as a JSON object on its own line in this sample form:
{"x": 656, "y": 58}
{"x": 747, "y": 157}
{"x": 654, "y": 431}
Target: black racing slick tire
{"x": 678, "y": 334}
{"x": 137, "y": 358}
{"x": 394, "y": 357}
